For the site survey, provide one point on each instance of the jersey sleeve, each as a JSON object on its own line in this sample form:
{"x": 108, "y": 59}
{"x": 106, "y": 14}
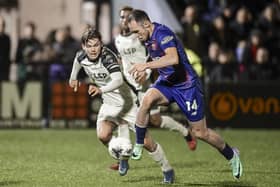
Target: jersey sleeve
{"x": 166, "y": 39}
{"x": 111, "y": 61}
{"x": 76, "y": 67}
{"x": 116, "y": 82}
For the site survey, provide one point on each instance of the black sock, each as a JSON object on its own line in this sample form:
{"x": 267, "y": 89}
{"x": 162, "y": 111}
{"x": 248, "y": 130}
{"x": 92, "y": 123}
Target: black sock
{"x": 227, "y": 152}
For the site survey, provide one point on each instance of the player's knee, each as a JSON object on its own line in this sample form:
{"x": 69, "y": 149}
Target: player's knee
{"x": 104, "y": 137}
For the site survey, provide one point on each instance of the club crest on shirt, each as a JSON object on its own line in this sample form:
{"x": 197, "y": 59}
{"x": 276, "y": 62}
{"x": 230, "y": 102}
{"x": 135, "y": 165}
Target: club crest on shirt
{"x": 154, "y": 45}
{"x": 166, "y": 39}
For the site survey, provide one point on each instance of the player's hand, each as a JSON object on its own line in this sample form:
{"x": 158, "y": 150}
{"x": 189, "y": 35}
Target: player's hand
{"x": 93, "y": 90}
{"x": 139, "y": 67}
{"x": 140, "y": 77}
{"x": 74, "y": 84}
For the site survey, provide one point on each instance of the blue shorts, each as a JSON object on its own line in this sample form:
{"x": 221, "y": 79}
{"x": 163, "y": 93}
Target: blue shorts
{"x": 189, "y": 98}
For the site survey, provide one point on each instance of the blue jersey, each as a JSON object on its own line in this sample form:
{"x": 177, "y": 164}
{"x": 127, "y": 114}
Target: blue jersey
{"x": 161, "y": 39}
{"x": 178, "y": 83}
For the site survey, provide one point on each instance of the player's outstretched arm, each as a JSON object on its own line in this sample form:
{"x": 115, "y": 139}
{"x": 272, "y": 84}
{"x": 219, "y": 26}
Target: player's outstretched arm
{"x": 73, "y": 82}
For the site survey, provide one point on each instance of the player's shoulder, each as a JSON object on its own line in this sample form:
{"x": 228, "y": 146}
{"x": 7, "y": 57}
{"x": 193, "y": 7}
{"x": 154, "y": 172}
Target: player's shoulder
{"x": 108, "y": 56}
{"x": 164, "y": 34}
{"x": 118, "y": 37}
{"x": 110, "y": 60}
{"x": 81, "y": 55}
{"x": 162, "y": 30}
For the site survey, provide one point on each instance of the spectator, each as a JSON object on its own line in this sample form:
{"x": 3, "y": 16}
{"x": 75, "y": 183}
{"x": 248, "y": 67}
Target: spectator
{"x": 213, "y": 10}
{"x": 5, "y": 48}
{"x": 241, "y": 25}
{"x": 255, "y": 41}
{"x": 241, "y": 49}
{"x": 28, "y": 51}
{"x": 211, "y": 60}
{"x": 69, "y": 37}
{"x": 220, "y": 33}
{"x": 262, "y": 69}
{"x": 194, "y": 31}
{"x": 269, "y": 23}
{"x": 227, "y": 13}
{"x": 48, "y": 53}
{"x": 226, "y": 69}
{"x": 64, "y": 49}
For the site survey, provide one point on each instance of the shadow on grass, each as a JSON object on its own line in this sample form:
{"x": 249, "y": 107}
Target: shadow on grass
{"x": 193, "y": 164}
{"x": 145, "y": 166}
{"x": 176, "y": 165}
{"x": 143, "y": 178}
{"x": 218, "y": 184}
{"x": 263, "y": 172}
{"x": 7, "y": 183}
{"x": 177, "y": 183}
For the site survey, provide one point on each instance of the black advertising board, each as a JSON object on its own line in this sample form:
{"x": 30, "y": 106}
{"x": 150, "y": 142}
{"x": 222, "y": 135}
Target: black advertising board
{"x": 243, "y": 105}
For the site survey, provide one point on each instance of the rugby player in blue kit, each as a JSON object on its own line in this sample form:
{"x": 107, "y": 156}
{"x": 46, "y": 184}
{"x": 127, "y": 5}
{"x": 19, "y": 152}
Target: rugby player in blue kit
{"x": 177, "y": 82}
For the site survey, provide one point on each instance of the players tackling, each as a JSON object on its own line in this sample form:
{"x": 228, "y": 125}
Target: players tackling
{"x": 131, "y": 51}
{"x": 119, "y": 102}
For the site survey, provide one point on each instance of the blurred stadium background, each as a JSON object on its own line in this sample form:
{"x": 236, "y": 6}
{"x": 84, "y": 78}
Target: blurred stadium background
{"x": 233, "y": 45}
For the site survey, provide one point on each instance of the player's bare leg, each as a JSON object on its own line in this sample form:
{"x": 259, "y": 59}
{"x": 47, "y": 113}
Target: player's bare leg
{"x": 201, "y": 131}
{"x": 105, "y": 132}
{"x": 123, "y": 131}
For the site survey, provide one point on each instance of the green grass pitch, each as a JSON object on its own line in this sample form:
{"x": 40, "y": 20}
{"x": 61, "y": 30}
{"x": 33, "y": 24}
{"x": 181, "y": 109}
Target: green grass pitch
{"x": 76, "y": 158}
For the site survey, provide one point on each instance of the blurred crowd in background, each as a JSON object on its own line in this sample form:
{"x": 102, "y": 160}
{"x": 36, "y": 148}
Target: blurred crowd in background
{"x": 226, "y": 40}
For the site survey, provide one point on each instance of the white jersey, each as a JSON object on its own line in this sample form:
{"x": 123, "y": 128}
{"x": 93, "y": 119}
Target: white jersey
{"x": 99, "y": 72}
{"x": 131, "y": 51}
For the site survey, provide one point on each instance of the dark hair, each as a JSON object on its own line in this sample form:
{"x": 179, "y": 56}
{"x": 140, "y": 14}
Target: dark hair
{"x": 139, "y": 16}
{"x": 89, "y": 34}
{"x": 126, "y": 8}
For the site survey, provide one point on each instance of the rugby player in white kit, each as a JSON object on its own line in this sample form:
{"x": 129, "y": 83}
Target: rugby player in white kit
{"x": 132, "y": 50}
{"x": 119, "y": 102}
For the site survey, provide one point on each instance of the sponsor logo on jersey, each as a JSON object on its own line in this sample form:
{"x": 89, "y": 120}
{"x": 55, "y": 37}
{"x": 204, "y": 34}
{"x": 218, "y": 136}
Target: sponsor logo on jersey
{"x": 166, "y": 39}
{"x": 99, "y": 76}
{"x": 129, "y": 51}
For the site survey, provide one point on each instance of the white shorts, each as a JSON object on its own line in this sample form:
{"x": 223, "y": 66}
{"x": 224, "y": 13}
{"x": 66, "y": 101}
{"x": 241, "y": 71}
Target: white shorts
{"x": 118, "y": 115}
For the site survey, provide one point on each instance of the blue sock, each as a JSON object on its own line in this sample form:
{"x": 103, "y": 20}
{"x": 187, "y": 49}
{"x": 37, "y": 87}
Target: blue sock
{"x": 227, "y": 152}
{"x": 140, "y": 134}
